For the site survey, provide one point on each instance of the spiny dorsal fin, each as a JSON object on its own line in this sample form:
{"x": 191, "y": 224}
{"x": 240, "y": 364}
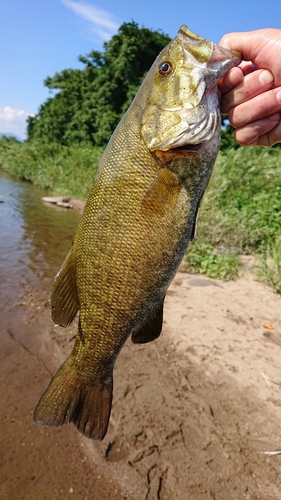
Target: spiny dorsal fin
{"x": 151, "y": 329}
{"x": 64, "y": 297}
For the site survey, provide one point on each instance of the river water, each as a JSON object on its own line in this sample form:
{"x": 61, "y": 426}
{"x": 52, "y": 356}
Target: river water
{"x": 34, "y": 238}
{"x": 35, "y": 462}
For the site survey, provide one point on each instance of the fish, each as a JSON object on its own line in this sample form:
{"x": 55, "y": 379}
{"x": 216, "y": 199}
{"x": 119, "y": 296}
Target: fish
{"x": 137, "y": 222}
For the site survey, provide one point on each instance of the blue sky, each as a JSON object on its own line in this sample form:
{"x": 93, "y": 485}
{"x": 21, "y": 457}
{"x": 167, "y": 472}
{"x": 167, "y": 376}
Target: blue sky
{"x": 40, "y": 37}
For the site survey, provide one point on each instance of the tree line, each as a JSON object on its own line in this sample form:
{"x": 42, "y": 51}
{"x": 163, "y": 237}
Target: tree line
{"x": 89, "y": 103}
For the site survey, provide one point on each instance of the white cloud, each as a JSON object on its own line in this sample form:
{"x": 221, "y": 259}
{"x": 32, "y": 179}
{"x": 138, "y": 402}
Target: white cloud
{"x": 13, "y": 121}
{"x": 104, "y": 23}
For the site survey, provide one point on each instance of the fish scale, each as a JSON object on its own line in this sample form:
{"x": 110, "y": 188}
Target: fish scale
{"x": 137, "y": 222}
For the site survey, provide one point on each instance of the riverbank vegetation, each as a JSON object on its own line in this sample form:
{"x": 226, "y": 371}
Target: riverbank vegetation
{"x": 241, "y": 214}
{"x": 62, "y": 170}
{"x": 241, "y": 210}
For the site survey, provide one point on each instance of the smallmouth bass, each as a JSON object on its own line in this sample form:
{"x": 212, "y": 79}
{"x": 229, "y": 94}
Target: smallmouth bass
{"x": 137, "y": 222}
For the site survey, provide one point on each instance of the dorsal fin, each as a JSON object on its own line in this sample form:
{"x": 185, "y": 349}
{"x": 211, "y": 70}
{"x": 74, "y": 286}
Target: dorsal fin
{"x": 64, "y": 297}
{"x": 151, "y": 328}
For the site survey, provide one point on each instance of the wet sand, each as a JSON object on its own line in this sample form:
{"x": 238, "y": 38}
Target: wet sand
{"x": 193, "y": 412}
{"x": 38, "y": 463}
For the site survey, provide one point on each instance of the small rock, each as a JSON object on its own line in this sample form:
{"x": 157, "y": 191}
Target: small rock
{"x": 64, "y": 204}
{"x": 60, "y": 201}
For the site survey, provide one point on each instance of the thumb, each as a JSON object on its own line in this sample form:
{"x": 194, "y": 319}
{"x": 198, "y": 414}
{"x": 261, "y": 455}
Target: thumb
{"x": 244, "y": 42}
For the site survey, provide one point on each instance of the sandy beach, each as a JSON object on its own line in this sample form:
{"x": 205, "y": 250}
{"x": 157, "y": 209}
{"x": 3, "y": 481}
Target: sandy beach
{"x": 196, "y": 414}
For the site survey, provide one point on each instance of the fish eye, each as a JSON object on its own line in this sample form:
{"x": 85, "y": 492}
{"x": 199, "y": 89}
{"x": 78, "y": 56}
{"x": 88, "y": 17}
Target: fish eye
{"x": 164, "y": 68}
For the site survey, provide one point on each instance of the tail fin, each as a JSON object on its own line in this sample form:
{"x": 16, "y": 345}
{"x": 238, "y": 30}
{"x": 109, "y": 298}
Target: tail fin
{"x": 71, "y": 399}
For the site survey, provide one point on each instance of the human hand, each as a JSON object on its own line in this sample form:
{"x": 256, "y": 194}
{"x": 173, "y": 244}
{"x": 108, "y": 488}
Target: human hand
{"x": 251, "y": 92}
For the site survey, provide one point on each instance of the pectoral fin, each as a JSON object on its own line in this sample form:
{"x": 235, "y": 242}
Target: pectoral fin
{"x": 151, "y": 329}
{"x": 64, "y": 297}
{"x": 162, "y": 194}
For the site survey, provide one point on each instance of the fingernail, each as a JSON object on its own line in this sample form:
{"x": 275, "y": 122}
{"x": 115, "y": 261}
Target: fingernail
{"x": 266, "y": 77}
{"x": 278, "y": 96}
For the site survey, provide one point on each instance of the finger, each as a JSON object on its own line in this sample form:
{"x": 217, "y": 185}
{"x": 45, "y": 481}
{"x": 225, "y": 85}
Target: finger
{"x": 264, "y": 132}
{"x": 262, "y": 47}
{"x": 252, "y": 85}
{"x": 235, "y": 76}
{"x": 258, "y": 107}
{"x": 242, "y": 42}
{"x": 247, "y": 67}
{"x": 231, "y": 80}
{"x": 272, "y": 137}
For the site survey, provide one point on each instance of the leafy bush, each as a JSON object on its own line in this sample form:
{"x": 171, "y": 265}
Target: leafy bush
{"x": 204, "y": 259}
{"x": 242, "y": 205}
{"x": 60, "y": 169}
{"x": 240, "y": 213}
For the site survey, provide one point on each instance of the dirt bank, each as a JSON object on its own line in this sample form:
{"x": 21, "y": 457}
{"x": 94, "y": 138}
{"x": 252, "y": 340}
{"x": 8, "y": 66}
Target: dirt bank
{"x": 193, "y": 412}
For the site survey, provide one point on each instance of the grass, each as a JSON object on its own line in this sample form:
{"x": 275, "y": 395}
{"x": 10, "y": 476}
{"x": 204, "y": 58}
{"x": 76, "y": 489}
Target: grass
{"x": 242, "y": 205}
{"x": 269, "y": 269}
{"x": 240, "y": 213}
{"x": 202, "y": 258}
{"x": 59, "y": 169}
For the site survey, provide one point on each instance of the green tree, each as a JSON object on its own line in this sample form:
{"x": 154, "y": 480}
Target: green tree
{"x": 89, "y": 103}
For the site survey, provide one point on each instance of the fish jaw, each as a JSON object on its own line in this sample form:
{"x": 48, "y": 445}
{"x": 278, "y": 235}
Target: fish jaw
{"x": 183, "y": 107}
{"x": 221, "y": 61}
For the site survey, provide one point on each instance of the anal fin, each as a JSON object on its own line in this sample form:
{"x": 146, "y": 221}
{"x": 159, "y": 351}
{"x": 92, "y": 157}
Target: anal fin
{"x": 151, "y": 328}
